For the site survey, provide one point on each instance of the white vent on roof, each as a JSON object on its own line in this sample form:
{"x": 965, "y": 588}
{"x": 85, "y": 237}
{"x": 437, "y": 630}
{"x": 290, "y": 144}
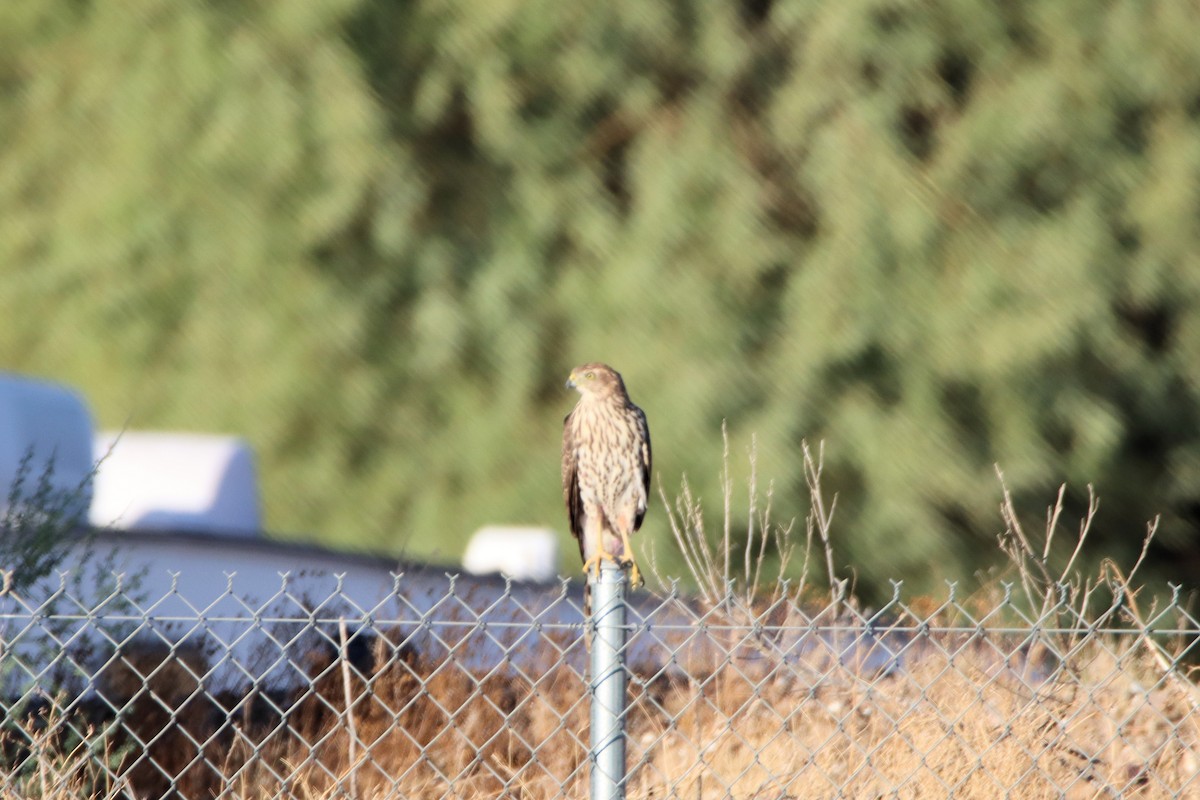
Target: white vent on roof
{"x": 521, "y": 553}
{"x": 175, "y": 481}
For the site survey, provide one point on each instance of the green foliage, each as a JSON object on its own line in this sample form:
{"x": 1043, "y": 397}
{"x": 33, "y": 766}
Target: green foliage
{"x": 374, "y": 237}
{"x": 43, "y": 530}
{"x": 39, "y": 523}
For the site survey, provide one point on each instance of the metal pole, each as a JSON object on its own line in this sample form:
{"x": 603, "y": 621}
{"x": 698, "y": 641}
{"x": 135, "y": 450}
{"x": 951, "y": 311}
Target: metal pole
{"x": 608, "y": 681}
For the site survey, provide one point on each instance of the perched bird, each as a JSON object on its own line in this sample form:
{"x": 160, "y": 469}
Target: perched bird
{"x": 605, "y": 469}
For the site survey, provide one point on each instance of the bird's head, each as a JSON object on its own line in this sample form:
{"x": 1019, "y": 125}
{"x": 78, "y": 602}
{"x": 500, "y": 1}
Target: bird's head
{"x": 596, "y": 381}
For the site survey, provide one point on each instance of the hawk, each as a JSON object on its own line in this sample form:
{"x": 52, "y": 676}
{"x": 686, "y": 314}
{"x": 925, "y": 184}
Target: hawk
{"x": 605, "y": 469}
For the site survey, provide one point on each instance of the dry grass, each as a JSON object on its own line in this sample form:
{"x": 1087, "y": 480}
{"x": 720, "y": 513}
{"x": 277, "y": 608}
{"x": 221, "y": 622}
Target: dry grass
{"x": 960, "y": 720}
{"x": 951, "y": 726}
{"x": 977, "y": 704}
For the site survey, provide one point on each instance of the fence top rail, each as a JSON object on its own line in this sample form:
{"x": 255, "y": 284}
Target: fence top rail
{"x": 647, "y": 625}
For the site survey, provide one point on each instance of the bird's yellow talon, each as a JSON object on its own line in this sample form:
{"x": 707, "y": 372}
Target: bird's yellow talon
{"x": 635, "y": 576}
{"x": 591, "y": 567}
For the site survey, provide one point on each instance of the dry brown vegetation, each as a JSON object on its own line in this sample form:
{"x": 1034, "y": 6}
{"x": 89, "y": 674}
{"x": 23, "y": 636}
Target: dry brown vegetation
{"x": 1050, "y": 686}
{"x": 965, "y": 718}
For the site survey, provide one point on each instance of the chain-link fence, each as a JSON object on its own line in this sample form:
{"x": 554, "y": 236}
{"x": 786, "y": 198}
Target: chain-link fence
{"x": 450, "y": 687}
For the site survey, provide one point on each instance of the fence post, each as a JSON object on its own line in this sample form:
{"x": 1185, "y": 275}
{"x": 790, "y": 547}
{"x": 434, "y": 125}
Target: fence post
{"x": 608, "y": 681}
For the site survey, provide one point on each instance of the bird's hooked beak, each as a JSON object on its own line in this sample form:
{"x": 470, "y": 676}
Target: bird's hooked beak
{"x": 571, "y": 381}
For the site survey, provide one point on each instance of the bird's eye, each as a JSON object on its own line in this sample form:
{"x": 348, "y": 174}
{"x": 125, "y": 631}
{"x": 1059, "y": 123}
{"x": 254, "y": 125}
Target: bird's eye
{"x": 590, "y": 375}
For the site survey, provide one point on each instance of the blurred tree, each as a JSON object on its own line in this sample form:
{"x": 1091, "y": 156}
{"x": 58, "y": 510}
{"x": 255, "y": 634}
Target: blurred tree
{"x": 373, "y": 237}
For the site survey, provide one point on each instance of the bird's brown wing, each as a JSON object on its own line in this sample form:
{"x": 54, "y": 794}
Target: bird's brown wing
{"x": 643, "y": 442}
{"x": 570, "y": 482}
